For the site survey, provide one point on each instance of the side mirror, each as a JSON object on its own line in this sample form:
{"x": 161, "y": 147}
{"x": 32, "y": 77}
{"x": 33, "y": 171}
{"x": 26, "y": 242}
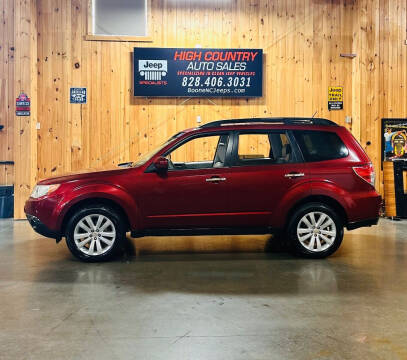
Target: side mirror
{"x": 161, "y": 164}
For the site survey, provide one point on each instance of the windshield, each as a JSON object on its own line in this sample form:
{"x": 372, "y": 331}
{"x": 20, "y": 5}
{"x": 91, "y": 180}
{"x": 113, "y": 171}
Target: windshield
{"x": 154, "y": 151}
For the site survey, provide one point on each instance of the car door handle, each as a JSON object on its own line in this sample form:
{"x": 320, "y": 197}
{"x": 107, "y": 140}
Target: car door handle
{"x": 215, "y": 179}
{"x": 291, "y": 175}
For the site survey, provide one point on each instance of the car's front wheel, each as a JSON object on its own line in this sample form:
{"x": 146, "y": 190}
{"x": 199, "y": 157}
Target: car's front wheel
{"x": 95, "y": 233}
{"x": 315, "y": 231}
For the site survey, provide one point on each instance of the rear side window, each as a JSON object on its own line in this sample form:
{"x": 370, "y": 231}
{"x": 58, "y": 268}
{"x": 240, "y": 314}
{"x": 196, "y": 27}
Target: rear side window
{"x": 320, "y": 145}
{"x": 264, "y": 148}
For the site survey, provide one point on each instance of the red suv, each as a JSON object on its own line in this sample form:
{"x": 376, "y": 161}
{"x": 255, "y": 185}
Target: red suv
{"x": 305, "y": 178}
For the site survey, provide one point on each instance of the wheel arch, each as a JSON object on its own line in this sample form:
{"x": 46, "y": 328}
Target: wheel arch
{"x": 323, "y": 199}
{"x": 95, "y": 201}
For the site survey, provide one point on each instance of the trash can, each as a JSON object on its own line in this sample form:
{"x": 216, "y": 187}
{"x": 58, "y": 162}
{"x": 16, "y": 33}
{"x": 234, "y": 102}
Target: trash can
{"x": 6, "y": 201}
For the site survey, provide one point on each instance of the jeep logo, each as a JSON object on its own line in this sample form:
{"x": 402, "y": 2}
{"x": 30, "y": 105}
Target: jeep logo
{"x": 152, "y": 69}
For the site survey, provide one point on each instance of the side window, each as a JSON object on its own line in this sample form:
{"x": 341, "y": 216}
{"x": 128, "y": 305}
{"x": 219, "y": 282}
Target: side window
{"x": 199, "y": 153}
{"x": 320, "y": 145}
{"x": 254, "y": 147}
{"x": 282, "y": 149}
{"x": 264, "y": 148}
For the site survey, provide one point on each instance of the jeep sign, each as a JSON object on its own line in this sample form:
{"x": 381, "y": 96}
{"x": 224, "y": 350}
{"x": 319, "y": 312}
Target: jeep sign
{"x": 152, "y": 69}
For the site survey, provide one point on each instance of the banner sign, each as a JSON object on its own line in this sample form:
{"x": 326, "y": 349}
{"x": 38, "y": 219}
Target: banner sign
{"x": 23, "y": 105}
{"x": 335, "y": 98}
{"x": 195, "y": 72}
{"x": 78, "y": 95}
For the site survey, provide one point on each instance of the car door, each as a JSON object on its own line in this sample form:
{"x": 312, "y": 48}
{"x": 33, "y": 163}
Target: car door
{"x": 266, "y": 167}
{"x": 193, "y": 192}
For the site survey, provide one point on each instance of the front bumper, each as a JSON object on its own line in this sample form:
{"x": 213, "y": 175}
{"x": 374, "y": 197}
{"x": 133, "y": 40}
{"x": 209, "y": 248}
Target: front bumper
{"x": 42, "y": 229}
{"x": 43, "y": 215}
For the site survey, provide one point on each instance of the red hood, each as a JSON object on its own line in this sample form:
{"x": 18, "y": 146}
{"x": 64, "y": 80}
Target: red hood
{"x": 83, "y": 174}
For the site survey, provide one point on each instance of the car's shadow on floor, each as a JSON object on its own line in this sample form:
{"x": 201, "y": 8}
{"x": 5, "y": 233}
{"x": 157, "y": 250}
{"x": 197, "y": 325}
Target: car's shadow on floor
{"x": 267, "y": 244}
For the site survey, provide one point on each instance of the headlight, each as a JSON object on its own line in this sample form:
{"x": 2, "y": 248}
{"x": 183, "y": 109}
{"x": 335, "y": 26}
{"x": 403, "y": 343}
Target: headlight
{"x": 42, "y": 190}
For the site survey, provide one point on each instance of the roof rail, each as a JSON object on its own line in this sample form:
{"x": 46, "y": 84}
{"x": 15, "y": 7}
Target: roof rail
{"x": 281, "y": 120}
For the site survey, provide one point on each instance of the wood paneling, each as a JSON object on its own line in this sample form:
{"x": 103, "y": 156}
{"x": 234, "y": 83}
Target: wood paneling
{"x": 203, "y": 244}
{"x": 389, "y": 189}
{"x": 25, "y": 80}
{"x": 372, "y": 63}
{"x": 7, "y": 99}
{"x": 302, "y": 41}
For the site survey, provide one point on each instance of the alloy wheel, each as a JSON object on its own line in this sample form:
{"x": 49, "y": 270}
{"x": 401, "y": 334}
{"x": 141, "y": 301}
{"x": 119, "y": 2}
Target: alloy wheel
{"x": 94, "y": 234}
{"x": 316, "y": 231}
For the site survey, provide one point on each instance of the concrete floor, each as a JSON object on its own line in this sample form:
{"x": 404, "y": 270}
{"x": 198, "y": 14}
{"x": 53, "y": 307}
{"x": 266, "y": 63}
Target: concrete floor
{"x": 204, "y": 306}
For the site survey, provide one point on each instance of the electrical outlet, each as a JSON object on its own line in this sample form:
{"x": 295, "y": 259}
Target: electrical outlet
{"x": 348, "y": 119}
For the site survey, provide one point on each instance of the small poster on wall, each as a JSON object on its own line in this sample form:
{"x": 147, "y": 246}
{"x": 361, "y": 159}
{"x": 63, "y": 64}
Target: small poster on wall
{"x": 335, "y": 98}
{"x": 77, "y": 95}
{"x": 394, "y": 139}
{"x": 23, "y": 104}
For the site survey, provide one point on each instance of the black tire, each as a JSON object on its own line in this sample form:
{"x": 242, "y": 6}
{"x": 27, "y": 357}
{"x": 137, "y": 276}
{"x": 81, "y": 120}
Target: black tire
{"x": 118, "y": 226}
{"x": 296, "y": 221}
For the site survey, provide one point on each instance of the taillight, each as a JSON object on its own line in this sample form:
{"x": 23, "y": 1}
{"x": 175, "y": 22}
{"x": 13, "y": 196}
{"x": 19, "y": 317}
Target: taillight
{"x": 366, "y": 172}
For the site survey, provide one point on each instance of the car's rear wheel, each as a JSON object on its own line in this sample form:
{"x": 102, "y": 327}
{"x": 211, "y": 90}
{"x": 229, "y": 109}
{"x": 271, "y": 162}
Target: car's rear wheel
{"x": 315, "y": 231}
{"x": 95, "y": 233}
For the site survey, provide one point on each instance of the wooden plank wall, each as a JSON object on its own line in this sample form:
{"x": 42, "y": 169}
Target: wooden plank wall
{"x": 7, "y": 98}
{"x": 380, "y": 82}
{"x": 389, "y": 189}
{"x": 25, "y": 80}
{"x": 302, "y": 40}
